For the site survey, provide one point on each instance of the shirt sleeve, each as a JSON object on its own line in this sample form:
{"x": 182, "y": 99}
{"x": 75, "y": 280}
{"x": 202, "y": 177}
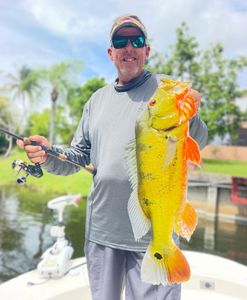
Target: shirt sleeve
{"x": 79, "y": 150}
{"x": 199, "y": 131}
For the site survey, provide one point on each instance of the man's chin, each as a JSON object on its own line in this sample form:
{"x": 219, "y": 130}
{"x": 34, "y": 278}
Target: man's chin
{"x": 129, "y": 74}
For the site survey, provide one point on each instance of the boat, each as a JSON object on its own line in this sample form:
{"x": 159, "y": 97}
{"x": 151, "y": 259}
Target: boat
{"x": 213, "y": 277}
{"x": 58, "y": 277}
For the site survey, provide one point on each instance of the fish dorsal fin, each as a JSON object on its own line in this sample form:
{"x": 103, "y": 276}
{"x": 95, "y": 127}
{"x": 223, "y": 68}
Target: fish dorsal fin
{"x": 186, "y": 105}
{"x": 171, "y": 148}
{"x": 131, "y": 163}
{"x": 192, "y": 151}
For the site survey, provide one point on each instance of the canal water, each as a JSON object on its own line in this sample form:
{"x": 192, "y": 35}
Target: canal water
{"x": 25, "y": 223}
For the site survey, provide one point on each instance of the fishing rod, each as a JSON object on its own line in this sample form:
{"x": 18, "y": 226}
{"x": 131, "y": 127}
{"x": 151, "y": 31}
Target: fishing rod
{"x": 35, "y": 170}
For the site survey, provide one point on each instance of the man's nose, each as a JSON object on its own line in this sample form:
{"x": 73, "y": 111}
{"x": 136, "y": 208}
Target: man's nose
{"x": 129, "y": 45}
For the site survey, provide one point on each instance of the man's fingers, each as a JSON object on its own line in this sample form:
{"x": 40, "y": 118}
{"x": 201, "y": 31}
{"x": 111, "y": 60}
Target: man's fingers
{"x": 197, "y": 98}
{"x": 36, "y": 154}
{"x": 39, "y": 139}
{"x": 36, "y": 160}
{"x": 37, "y": 157}
{"x": 20, "y": 143}
{"x": 31, "y": 149}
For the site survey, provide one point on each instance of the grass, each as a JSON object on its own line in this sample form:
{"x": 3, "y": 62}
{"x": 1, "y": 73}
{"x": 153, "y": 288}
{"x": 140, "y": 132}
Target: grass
{"x": 225, "y": 167}
{"x": 77, "y": 183}
{"x": 81, "y": 181}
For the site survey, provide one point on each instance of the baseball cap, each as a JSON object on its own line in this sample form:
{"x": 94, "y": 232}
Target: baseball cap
{"x": 127, "y": 20}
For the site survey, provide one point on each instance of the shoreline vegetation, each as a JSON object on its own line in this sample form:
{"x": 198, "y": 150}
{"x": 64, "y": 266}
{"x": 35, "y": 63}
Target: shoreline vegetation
{"x": 80, "y": 182}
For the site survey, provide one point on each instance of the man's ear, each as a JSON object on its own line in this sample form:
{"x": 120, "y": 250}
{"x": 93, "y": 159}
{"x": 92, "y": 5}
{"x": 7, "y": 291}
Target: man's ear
{"x": 110, "y": 54}
{"x": 147, "y": 52}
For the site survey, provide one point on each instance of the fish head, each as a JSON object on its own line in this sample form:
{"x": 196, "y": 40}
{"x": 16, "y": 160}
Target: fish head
{"x": 170, "y": 105}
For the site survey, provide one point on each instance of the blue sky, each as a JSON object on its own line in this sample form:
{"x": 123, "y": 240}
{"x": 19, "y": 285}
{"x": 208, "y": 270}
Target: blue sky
{"x": 44, "y": 32}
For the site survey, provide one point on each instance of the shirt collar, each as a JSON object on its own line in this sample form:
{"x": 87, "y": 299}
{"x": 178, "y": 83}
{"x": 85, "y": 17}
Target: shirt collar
{"x": 133, "y": 83}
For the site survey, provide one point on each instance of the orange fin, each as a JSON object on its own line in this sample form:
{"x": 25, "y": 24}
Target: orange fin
{"x": 186, "y": 105}
{"x": 193, "y": 151}
{"x": 177, "y": 267}
{"x": 186, "y": 222}
{"x": 159, "y": 268}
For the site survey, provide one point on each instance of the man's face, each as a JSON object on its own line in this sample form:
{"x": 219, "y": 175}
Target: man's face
{"x": 129, "y": 61}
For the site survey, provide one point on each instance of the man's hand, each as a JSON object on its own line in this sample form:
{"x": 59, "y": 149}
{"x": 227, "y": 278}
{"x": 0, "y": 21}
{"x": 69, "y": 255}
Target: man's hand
{"x": 197, "y": 98}
{"x": 35, "y": 153}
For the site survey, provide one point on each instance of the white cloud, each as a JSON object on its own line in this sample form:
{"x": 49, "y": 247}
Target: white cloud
{"x": 209, "y": 21}
{"x": 44, "y": 31}
{"x": 77, "y": 20}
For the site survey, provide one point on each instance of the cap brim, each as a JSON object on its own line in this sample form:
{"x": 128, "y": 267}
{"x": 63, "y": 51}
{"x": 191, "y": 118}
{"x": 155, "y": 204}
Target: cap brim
{"x": 127, "y": 24}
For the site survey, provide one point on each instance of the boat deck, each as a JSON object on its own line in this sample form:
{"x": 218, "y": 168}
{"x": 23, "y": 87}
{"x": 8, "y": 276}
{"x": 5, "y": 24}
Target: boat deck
{"x": 212, "y": 278}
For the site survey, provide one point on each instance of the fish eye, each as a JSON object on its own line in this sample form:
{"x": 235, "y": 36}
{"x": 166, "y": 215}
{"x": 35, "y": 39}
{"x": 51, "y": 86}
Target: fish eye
{"x": 152, "y": 102}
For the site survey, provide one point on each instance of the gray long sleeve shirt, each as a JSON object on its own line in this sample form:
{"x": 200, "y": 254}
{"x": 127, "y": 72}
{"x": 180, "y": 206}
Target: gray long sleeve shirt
{"x": 105, "y": 129}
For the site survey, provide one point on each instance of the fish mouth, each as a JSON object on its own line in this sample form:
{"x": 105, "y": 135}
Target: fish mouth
{"x": 170, "y": 128}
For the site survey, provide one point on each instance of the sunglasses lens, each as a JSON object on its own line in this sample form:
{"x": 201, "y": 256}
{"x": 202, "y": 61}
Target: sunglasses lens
{"x": 138, "y": 41}
{"x": 121, "y": 41}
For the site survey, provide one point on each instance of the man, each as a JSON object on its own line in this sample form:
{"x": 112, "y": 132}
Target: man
{"x": 106, "y": 127}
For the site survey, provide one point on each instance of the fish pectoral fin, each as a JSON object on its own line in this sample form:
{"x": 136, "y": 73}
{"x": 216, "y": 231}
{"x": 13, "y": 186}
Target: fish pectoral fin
{"x": 192, "y": 151}
{"x": 186, "y": 222}
{"x": 139, "y": 221}
{"x": 171, "y": 148}
{"x": 131, "y": 163}
{"x": 158, "y": 268}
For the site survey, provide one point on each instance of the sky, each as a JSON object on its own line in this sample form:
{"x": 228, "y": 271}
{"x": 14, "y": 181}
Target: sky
{"x": 44, "y": 32}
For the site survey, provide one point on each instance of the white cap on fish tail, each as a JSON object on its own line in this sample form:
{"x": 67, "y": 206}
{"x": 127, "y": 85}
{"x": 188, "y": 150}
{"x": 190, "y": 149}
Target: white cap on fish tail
{"x": 152, "y": 270}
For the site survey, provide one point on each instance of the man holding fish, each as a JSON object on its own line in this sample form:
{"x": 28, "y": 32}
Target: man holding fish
{"x": 139, "y": 134}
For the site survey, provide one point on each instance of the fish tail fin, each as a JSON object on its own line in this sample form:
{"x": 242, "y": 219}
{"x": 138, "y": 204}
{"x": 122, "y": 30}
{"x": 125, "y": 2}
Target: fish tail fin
{"x": 159, "y": 268}
{"x": 186, "y": 222}
{"x": 177, "y": 267}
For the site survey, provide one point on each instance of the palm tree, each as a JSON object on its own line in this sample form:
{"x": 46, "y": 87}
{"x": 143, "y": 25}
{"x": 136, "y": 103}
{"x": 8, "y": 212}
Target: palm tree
{"x": 59, "y": 76}
{"x": 24, "y": 86}
{"x": 7, "y": 120}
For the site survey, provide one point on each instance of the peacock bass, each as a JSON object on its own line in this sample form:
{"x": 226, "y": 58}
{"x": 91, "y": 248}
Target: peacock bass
{"x": 157, "y": 162}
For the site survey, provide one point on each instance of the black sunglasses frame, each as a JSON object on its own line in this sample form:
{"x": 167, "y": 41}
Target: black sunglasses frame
{"x": 137, "y": 41}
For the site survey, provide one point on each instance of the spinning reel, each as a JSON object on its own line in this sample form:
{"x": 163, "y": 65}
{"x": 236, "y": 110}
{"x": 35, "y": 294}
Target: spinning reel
{"x": 25, "y": 170}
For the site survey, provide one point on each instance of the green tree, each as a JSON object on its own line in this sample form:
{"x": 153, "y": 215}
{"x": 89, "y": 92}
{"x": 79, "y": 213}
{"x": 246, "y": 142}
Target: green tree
{"x": 60, "y": 77}
{"x": 38, "y": 123}
{"x": 182, "y": 63}
{"x": 212, "y": 74}
{"x": 217, "y": 82}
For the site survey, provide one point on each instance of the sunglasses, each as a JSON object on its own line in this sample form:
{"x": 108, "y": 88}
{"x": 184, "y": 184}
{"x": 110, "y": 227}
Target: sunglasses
{"x": 137, "y": 41}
